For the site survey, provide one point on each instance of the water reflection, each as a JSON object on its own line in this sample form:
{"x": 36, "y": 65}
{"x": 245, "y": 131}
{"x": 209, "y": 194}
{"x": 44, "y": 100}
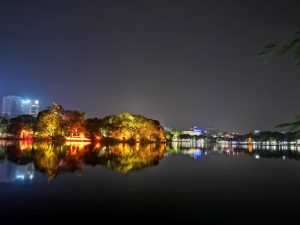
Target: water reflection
{"x": 196, "y": 150}
{"x": 10, "y": 172}
{"x": 19, "y": 160}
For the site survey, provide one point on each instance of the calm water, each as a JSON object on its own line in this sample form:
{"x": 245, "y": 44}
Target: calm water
{"x": 178, "y": 181}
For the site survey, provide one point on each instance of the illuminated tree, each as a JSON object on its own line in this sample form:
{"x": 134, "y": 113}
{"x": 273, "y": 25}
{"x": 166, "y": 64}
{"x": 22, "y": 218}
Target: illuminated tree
{"x": 173, "y": 135}
{"x": 73, "y": 123}
{"x": 50, "y": 122}
{"x": 136, "y": 128}
{"x": 21, "y": 123}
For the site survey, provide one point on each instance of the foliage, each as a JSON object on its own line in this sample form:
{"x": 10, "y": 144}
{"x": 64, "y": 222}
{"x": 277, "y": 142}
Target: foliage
{"x": 3, "y": 125}
{"x": 56, "y": 121}
{"x": 73, "y": 123}
{"x": 267, "y": 136}
{"x": 50, "y": 122}
{"x": 92, "y": 127}
{"x": 291, "y": 46}
{"x": 136, "y": 128}
{"x": 294, "y": 127}
{"x": 17, "y": 124}
{"x": 173, "y": 135}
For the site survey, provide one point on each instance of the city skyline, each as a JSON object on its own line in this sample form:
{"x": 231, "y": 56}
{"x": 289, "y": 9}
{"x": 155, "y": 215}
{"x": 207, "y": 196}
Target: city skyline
{"x": 188, "y": 65}
{"x": 13, "y": 106}
{"x": 149, "y": 111}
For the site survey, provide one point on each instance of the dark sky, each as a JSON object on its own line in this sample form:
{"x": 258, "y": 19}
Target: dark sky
{"x": 184, "y": 63}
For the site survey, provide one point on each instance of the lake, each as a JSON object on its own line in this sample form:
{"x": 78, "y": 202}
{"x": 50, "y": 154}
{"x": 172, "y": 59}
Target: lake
{"x": 180, "y": 181}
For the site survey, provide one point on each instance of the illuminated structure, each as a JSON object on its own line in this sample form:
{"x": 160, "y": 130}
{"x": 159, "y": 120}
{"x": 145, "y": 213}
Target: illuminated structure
{"x": 30, "y": 107}
{"x": 80, "y": 138}
{"x": 193, "y": 131}
{"x": 14, "y": 106}
{"x": 11, "y": 106}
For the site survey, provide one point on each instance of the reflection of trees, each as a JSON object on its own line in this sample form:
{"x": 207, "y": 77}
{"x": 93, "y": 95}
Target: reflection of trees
{"x": 125, "y": 157}
{"x": 20, "y": 153}
{"x": 53, "y": 159}
{"x": 2, "y": 153}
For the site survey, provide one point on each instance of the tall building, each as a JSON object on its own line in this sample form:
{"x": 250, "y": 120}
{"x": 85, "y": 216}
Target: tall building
{"x": 14, "y": 106}
{"x": 11, "y": 106}
{"x": 35, "y": 108}
{"x": 30, "y": 107}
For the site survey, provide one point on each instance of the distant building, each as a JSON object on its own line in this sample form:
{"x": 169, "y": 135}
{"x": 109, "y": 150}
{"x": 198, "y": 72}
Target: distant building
{"x": 167, "y": 129}
{"x": 30, "y": 107}
{"x": 11, "y": 106}
{"x": 212, "y": 131}
{"x": 193, "y": 131}
{"x": 14, "y": 106}
{"x": 257, "y": 132}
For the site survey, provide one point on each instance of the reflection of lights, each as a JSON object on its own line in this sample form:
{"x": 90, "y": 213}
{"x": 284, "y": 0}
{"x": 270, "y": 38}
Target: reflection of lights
{"x": 81, "y": 145}
{"x": 75, "y": 148}
{"x": 197, "y": 154}
{"x": 250, "y": 148}
{"x": 20, "y": 177}
{"x": 24, "y": 172}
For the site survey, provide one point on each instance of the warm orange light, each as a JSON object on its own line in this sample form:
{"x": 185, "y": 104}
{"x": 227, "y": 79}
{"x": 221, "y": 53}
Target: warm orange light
{"x": 78, "y": 138}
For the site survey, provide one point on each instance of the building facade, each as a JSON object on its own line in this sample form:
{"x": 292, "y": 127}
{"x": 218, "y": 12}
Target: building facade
{"x": 11, "y": 106}
{"x": 30, "y": 107}
{"x": 193, "y": 131}
{"x": 14, "y": 106}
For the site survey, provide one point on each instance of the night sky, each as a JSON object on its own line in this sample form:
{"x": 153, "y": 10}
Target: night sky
{"x": 183, "y": 63}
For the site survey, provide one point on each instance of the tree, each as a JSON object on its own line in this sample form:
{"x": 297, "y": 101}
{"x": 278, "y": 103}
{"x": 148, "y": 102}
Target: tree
{"x": 73, "y": 123}
{"x": 21, "y": 126}
{"x": 3, "y": 125}
{"x": 50, "y": 122}
{"x": 127, "y": 127}
{"x": 291, "y": 46}
{"x": 293, "y": 126}
{"x": 92, "y": 127}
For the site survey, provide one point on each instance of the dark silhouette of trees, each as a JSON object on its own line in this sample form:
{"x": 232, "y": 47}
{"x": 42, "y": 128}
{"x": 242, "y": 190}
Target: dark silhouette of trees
{"x": 3, "y": 125}
{"x": 291, "y": 47}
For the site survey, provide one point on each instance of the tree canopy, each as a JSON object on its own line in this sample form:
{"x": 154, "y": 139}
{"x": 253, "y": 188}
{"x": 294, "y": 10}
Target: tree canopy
{"x": 291, "y": 46}
{"x": 3, "y": 125}
{"x": 127, "y": 127}
{"x": 294, "y": 127}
